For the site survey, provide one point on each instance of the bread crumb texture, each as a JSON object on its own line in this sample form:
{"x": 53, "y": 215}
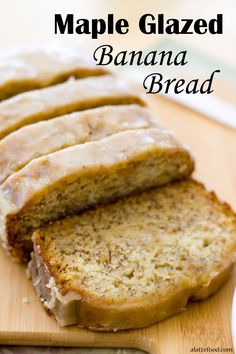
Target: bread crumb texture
{"x": 171, "y": 244}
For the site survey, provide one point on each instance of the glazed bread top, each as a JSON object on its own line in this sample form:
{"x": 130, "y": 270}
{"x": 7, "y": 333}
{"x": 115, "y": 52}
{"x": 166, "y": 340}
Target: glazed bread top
{"x": 40, "y": 67}
{"x": 76, "y": 178}
{"x": 43, "y": 173}
{"x": 39, "y": 139}
{"x": 73, "y": 95}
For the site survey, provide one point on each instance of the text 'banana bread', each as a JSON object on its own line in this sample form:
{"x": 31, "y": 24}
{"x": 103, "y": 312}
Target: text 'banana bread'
{"x": 62, "y": 183}
{"x": 137, "y": 261}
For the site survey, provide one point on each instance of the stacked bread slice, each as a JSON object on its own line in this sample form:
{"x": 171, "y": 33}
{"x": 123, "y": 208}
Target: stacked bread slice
{"x": 121, "y": 236}
{"x": 73, "y": 145}
{"x": 34, "y": 68}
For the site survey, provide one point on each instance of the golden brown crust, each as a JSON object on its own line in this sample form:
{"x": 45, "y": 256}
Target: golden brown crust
{"x": 109, "y": 316}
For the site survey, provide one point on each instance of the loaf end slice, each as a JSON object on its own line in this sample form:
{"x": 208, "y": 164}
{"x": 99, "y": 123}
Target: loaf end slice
{"x": 65, "y": 182}
{"x": 137, "y": 261}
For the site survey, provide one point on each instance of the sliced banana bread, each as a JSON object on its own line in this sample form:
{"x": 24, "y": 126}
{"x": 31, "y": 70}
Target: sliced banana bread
{"x": 73, "y": 95}
{"x": 39, "y": 67}
{"x": 137, "y": 261}
{"x": 39, "y": 139}
{"x": 64, "y": 182}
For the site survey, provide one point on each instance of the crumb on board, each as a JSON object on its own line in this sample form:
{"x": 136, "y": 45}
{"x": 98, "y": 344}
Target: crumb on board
{"x": 25, "y": 300}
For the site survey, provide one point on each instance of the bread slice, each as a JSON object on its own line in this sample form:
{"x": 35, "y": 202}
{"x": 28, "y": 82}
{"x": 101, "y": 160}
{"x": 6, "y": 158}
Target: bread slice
{"x": 64, "y": 182}
{"x": 135, "y": 262}
{"x": 73, "y": 95}
{"x": 39, "y": 139}
{"x": 40, "y": 67}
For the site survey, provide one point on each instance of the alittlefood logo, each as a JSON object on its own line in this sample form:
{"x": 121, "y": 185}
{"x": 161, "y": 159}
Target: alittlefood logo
{"x": 211, "y": 350}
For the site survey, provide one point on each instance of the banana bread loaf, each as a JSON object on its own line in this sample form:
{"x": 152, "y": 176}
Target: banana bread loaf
{"x": 137, "y": 261}
{"x": 64, "y": 182}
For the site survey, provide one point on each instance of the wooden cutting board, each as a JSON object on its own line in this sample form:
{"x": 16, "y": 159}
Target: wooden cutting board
{"x": 205, "y": 324}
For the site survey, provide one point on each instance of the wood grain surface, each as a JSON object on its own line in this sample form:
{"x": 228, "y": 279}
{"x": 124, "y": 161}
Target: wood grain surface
{"x": 203, "y": 324}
